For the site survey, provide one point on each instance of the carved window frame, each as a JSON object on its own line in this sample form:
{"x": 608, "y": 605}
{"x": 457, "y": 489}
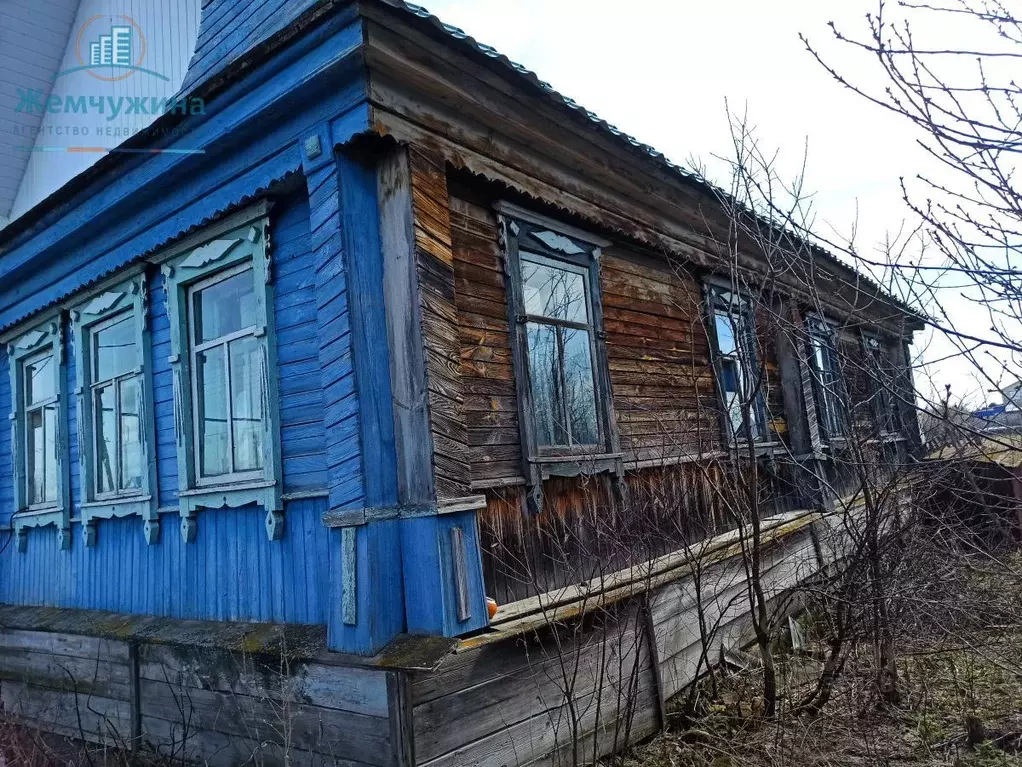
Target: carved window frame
{"x": 724, "y": 299}
{"x": 202, "y": 258}
{"x": 129, "y": 298}
{"x": 581, "y": 251}
{"x": 44, "y": 338}
{"x": 883, "y": 385}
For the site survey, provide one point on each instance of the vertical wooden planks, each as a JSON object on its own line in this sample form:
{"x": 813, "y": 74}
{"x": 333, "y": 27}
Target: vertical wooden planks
{"x": 413, "y": 437}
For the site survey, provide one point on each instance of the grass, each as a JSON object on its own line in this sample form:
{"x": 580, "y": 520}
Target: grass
{"x": 960, "y": 667}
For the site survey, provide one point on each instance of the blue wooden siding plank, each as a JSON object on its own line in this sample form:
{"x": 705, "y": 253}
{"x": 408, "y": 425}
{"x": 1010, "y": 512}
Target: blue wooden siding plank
{"x": 6, "y": 465}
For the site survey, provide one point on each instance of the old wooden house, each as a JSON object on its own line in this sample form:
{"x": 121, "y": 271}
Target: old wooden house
{"x": 386, "y": 328}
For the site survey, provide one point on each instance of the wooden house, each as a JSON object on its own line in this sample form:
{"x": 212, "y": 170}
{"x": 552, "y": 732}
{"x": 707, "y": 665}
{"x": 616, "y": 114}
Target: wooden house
{"x": 386, "y": 328}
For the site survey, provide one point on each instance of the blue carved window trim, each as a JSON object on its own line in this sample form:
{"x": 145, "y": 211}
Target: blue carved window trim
{"x": 125, "y": 300}
{"x": 244, "y": 246}
{"x": 44, "y": 339}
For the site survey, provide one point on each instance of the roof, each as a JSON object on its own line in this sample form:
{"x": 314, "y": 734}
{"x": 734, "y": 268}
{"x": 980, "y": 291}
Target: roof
{"x": 525, "y": 77}
{"x": 646, "y": 152}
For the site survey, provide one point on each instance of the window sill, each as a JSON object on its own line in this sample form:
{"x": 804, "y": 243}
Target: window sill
{"x": 265, "y": 494}
{"x": 577, "y": 465}
{"x": 120, "y": 507}
{"x": 27, "y": 519}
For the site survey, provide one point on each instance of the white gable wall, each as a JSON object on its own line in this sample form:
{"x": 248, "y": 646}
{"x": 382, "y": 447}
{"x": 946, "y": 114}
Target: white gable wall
{"x": 169, "y": 28}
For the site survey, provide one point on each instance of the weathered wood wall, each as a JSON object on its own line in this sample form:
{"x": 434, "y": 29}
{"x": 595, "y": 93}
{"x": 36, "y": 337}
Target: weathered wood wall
{"x": 665, "y": 405}
{"x": 199, "y": 705}
{"x": 537, "y": 697}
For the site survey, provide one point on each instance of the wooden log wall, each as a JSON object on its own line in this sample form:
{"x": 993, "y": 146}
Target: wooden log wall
{"x": 665, "y": 405}
{"x": 583, "y": 536}
{"x": 659, "y": 358}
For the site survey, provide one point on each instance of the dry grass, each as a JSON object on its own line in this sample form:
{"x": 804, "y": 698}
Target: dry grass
{"x": 960, "y": 648}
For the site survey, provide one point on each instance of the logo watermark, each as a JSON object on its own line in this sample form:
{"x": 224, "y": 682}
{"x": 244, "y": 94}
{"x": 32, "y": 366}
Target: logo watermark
{"x": 109, "y": 49}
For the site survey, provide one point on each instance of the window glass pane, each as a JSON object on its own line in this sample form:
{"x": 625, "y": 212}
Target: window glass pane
{"x": 726, "y": 335}
{"x": 211, "y": 385}
{"x": 114, "y": 350}
{"x": 40, "y": 381}
{"x": 579, "y": 387}
{"x": 730, "y": 379}
{"x": 36, "y": 451}
{"x": 543, "y": 372}
{"x": 106, "y": 438}
{"x": 131, "y": 436}
{"x": 735, "y": 413}
{"x": 225, "y": 307}
{"x": 247, "y": 403}
{"x": 555, "y": 293}
{"x": 50, "y": 453}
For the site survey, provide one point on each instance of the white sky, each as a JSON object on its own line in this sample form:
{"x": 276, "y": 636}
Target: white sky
{"x": 662, "y": 70}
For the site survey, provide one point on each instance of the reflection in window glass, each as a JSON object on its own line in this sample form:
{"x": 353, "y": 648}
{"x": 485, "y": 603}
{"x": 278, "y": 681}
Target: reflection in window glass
{"x": 828, "y": 376}
{"x": 247, "y": 404}
{"x": 225, "y": 307}
{"x": 230, "y": 401}
{"x": 580, "y": 391}
{"x": 130, "y": 436}
{"x": 543, "y": 372}
{"x": 215, "y": 450}
{"x": 116, "y": 393}
{"x": 115, "y": 352}
{"x": 40, "y": 436}
{"x": 559, "y": 294}
{"x": 560, "y": 339}
{"x": 105, "y": 404}
{"x": 40, "y": 381}
{"x": 736, "y": 371}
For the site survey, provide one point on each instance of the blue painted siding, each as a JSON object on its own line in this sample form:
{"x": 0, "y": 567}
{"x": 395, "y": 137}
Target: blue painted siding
{"x": 231, "y": 572}
{"x": 163, "y": 394}
{"x": 303, "y": 437}
{"x": 340, "y": 405}
{"x": 6, "y": 466}
{"x": 110, "y": 224}
{"x": 72, "y": 422}
{"x": 229, "y": 29}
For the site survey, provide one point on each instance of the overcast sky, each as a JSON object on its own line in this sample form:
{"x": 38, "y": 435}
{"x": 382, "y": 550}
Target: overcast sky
{"x": 662, "y": 70}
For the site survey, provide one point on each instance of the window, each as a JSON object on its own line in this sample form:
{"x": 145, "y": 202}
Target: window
{"x": 38, "y": 389}
{"x": 39, "y": 409}
{"x": 220, "y": 303}
{"x": 559, "y": 333}
{"x": 227, "y": 360}
{"x": 827, "y": 369}
{"x": 881, "y": 385}
{"x": 738, "y": 378}
{"x": 560, "y": 356}
{"x": 114, "y": 386}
